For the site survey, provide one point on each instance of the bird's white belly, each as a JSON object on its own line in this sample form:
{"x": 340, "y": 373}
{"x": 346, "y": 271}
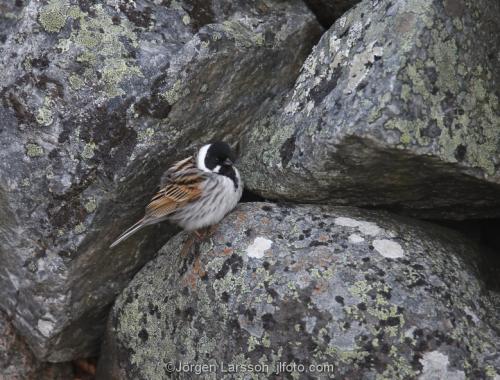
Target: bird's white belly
{"x": 212, "y": 207}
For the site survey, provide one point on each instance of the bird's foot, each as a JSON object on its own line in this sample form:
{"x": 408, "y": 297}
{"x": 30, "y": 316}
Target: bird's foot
{"x": 200, "y": 234}
{"x": 187, "y": 246}
{"x": 205, "y": 232}
{"x": 212, "y": 229}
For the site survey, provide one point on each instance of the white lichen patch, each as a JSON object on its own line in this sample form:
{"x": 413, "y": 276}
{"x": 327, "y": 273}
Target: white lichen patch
{"x": 258, "y": 247}
{"x": 471, "y": 314}
{"x": 360, "y": 65}
{"x": 186, "y": 19}
{"x": 435, "y": 366}
{"x": 409, "y": 333}
{"x": 367, "y": 228}
{"x": 34, "y": 150}
{"x": 88, "y": 150}
{"x": 388, "y": 248}
{"x": 80, "y": 228}
{"x": 346, "y": 222}
{"x": 14, "y": 280}
{"x": 355, "y": 238}
{"x": 44, "y": 115}
{"x": 45, "y": 327}
{"x": 91, "y": 205}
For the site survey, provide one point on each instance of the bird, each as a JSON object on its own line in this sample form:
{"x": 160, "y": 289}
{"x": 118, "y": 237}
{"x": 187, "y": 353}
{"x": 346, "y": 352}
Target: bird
{"x": 195, "y": 193}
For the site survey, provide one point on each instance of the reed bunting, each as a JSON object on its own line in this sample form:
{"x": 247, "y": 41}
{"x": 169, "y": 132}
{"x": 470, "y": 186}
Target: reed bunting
{"x": 196, "y": 192}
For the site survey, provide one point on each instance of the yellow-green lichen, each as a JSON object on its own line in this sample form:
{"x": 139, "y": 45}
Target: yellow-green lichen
{"x": 88, "y": 150}
{"x": 34, "y": 150}
{"x": 398, "y": 368}
{"x": 100, "y": 43}
{"x": 206, "y": 345}
{"x": 490, "y": 372}
{"x": 173, "y": 95}
{"x": 266, "y": 340}
{"x": 44, "y": 114}
{"x": 114, "y": 73}
{"x": 216, "y": 36}
{"x": 145, "y": 134}
{"x": 232, "y": 284}
{"x": 360, "y": 289}
{"x": 243, "y": 36}
{"x": 28, "y": 63}
{"x": 405, "y": 92}
{"x": 259, "y": 39}
{"x": 87, "y": 57}
{"x": 76, "y": 82}
{"x": 445, "y": 54}
{"x": 186, "y": 19}
{"x": 252, "y": 343}
{"x": 80, "y": 228}
{"x": 91, "y": 205}
{"x": 466, "y": 132}
{"x": 53, "y": 16}
{"x": 410, "y": 130}
{"x": 350, "y": 357}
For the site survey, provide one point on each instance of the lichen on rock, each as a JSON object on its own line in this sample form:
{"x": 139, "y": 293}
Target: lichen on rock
{"x": 396, "y": 95}
{"x": 53, "y": 16}
{"x": 389, "y": 306}
{"x": 97, "y": 99}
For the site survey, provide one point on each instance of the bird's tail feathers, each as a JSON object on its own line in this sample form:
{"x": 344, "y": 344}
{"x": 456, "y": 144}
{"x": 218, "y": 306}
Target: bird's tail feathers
{"x": 129, "y": 232}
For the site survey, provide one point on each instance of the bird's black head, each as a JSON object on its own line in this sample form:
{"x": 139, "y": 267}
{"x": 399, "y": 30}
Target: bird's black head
{"x": 215, "y": 156}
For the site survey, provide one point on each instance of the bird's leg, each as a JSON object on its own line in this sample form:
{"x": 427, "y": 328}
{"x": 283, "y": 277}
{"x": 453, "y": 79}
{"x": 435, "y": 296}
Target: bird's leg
{"x": 212, "y": 229}
{"x": 187, "y": 246}
{"x": 203, "y": 233}
{"x": 200, "y": 235}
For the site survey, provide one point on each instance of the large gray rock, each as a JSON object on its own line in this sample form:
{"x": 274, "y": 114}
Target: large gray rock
{"x": 396, "y": 107}
{"x": 370, "y": 294}
{"x": 17, "y": 362}
{"x": 97, "y": 99}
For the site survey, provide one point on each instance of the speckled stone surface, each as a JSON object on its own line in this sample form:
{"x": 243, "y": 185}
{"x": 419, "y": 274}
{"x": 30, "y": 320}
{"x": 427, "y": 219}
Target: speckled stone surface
{"x": 374, "y": 295}
{"x": 10, "y": 13}
{"x": 17, "y": 362}
{"x": 97, "y": 99}
{"x": 396, "y": 107}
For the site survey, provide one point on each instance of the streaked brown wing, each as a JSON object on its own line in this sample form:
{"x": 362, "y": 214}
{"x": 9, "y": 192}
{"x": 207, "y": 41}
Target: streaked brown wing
{"x": 178, "y": 170}
{"x": 170, "y": 198}
{"x": 181, "y": 185}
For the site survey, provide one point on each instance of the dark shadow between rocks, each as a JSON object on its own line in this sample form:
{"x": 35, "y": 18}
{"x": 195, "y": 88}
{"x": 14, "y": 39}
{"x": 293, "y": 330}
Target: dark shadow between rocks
{"x": 484, "y": 232}
{"x": 249, "y": 196}
{"x": 328, "y": 11}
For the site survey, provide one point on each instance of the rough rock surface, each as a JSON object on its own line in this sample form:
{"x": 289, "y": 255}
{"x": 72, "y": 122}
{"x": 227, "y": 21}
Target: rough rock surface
{"x": 327, "y": 11}
{"x": 396, "y": 107}
{"x": 373, "y": 295}
{"x": 17, "y": 362}
{"x": 97, "y": 99}
{"x": 10, "y": 12}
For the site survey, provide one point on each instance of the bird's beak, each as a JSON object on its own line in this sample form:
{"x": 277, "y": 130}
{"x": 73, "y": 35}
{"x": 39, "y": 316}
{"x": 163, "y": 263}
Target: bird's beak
{"x": 227, "y": 162}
